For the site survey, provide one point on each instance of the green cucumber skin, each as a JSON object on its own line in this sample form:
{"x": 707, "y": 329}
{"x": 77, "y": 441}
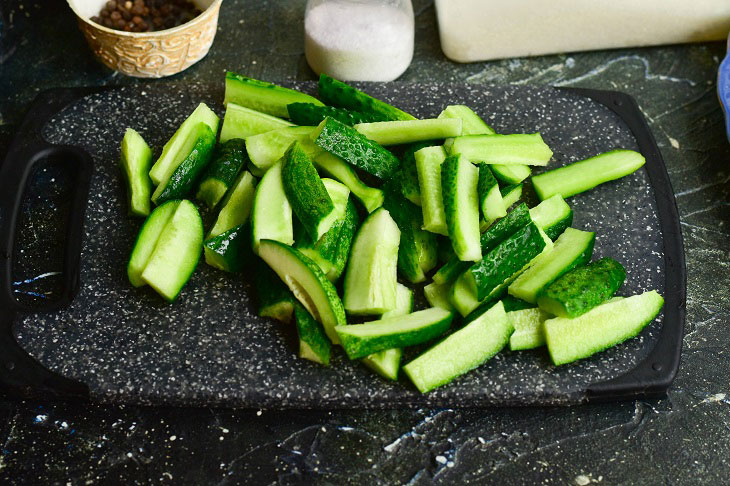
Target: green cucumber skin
{"x": 274, "y": 299}
{"x": 309, "y": 114}
{"x": 586, "y": 174}
{"x": 305, "y": 190}
{"x": 514, "y": 149}
{"x": 385, "y": 363}
{"x": 490, "y": 197}
{"x": 459, "y": 182}
{"x": 229, "y": 158}
{"x": 511, "y": 174}
{"x": 528, "y": 324}
{"x": 231, "y": 250}
{"x": 146, "y": 239}
{"x": 370, "y": 197}
{"x": 339, "y": 94}
{"x": 135, "y": 161}
{"x": 465, "y": 349}
{"x": 356, "y": 149}
{"x": 507, "y": 258}
{"x": 262, "y": 96}
{"x": 242, "y": 122}
{"x": 186, "y": 174}
{"x": 407, "y": 176}
{"x": 511, "y": 194}
{"x": 602, "y": 327}
{"x": 472, "y": 124}
{"x": 582, "y": 288}
{"x": 313, "y": 341}
{"x": 512, "y": 303}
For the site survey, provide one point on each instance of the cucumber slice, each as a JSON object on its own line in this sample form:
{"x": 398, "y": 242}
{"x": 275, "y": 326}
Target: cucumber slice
{"x": 521, "y": 148}
{"x": 313, "y": 342}
{"x": 582, "y": 288}
{"x": 135, "y": 162}
{"x": 309, "y": 114}
{"x": 242, "y": 122}
{"x": 553, "y": 216}
{"x": 360, "y": 340}
{"x": 176, "y": 252}
{"x": 265, "y": 149}
{"x": 417, "y": 248}
{"x": 572, "y": 249}
{"x": 409, "y": 131}
{"x": 308, "y": 284}
{"x": 407, "y": 177}
{"x": 513, "y": 304}
{"x": 511, "y": 194}
{"x": 181, "y": 180}
{"x": 262, "y": 96}
{"x": 334, "y": 166}
{"x": 147, "y": 238}
{"x": 462, "y": 351}
{"x": 605, "y": 326}
{"x": 472, "y": 124}
{"x": 528, "y": 328}
{"x": 342, "y": 95}
{"x": 348, "y": 144}
{"x": 438, "y": 295}
{"x": 459, "y": 182}
{"x": 428, "y": 165}
{"x": 273, "y": 297}
{"x": 511, "y": 174}
{"x": 586, "y": 174}
{"x": 370, "y": 280}
{"x": 230, "y": 251}
{"x": 236, "y": 205}
{"x": 490, "y": 197}
{"x": 228, "y": 160}
{"x": 179, "y": 146}
{"x": 271, "y": 213}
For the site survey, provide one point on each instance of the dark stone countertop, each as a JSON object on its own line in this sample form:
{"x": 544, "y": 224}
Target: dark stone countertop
{"x": 683, "y": 439}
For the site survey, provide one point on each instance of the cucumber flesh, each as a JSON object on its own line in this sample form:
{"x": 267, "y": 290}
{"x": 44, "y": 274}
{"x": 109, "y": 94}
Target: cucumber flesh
{"x": 339, "y": 94}
{"x": 242, "y": 122}
{"x": 438, "y": 295}
{"x": 334, "y": 166}
{"x": 271, "y": 213}
{"x": 274, "y": 299}
{"x": 462, "y": 351}
{"x": 528, "y": 324}
{"x": 510, "y": 195}
{"x": 309, "y": 114}
{"x": 490, "y": 197}
{"x": 360, "y": 340}
{"x": 314, "y": 344}
{"x": 262, "y": 96}
{"x": 553, "y": 216}
{"x": 586, "y": 174}
{"x": 236, "y": 205}
{"x": 136, "y": 158}
{"x": 176, "y": 252}
{"x": 459, "y": 182}
{"x": 428, "y": 165}
{"x": 147, "y": 238}
{"x": 228, "y": 160}
{"x": 472, "y": 124}
{"x": 265, "y": 149}
{"x": 511, "y": 174}
{"x": 370, "y": 279}
{"x": 409, "y": 131}
{"x": 407, "y": 177}
{"x": 231, "y": 250}
{"x": 180, "y": 144}
{"x": 604, "y": 326}
{"x": 522, "y": 149}
{"x": 403, "y": 302}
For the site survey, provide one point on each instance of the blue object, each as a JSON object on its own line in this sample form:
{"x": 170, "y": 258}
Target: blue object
{"x": 723, "y": 87}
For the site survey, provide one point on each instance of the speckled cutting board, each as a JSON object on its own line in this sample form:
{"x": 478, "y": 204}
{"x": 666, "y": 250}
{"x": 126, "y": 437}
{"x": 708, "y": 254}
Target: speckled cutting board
{"x": 210, "y": 348}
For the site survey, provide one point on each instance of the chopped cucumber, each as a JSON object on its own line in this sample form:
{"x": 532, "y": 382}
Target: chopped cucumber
{"x": 271, "y": 213}
{"x": 147, "y": 238}
{"x": 313, "y": 342}
{"x": 403, "y": 302}
{"x": 230, "y": 251}
{"x": 176, "y": 252}
{"x": 409, "y": 131}
{"x": 309, "y": 114}
{"x": 572, "y": 249}
{"x": 553, "y": 216}
{"x": 511, "y": 194}
{"x": 274, "y": 299}
{"x": 265, "y": 149}
{"x": 513, "y": 303}
{"x": 179, "y": 146}
{"x": 604, "y": 326}
{"x": 342, "y": 95}
{"x": 236, "y": 205}
{"x": 428, "y": 165}
{"x": 472, "y": 124}
{"x": 407, "y": 176}
{"x": 522, "y": 149}
{"x": 135, "y": 162}
{"x": 582, "y": 288}
{"x": 334, "y": 166}
{"x": 438, "y": 295}
{"x": 360, "y": 340}
{"x": 511, "y": 174}
{"x": 490, "y": 197}
{"x": 459, "y": 181}
{"x": 587, "y": 174}
{"x": 370, "y": 280}
{"x": 242, "y": 122}
{"x": 462, "y": 351}
{"x": 353, "y": 147}
{"x": 528, "y": 328}
{"x": 228, "y": 160}
{"x": 262, "y": 96}
{"x": 308, "y": 284}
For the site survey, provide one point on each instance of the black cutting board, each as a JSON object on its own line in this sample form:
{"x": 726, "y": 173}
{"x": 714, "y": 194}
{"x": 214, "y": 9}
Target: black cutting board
{"x": 114, "y": 343}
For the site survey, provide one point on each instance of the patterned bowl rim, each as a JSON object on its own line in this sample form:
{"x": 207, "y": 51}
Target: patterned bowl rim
{"x": 723, "y": 87}
{"x": 158, "y": 33}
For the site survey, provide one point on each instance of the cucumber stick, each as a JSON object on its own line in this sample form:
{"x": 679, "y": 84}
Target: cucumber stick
{"x": 265, "y": 149}
{"x": 528, "y": 324}
{"x": 428, "y": 165}
{"x": 572, "y": 249}
{"x": 604, "y": 326}
{"x": 409, "y": 131}
{"x": 236, "y": 205}
{"x": 136, "y": 158}
{"x": 228, "y": 160}
{"x": 339, "y": 94}
{"x": 314, "y": 344}
{"x": 271, "y": 213}
{"x": 370, "y": 279}
{"x": 360, "y": 340}
{"x": 180, "y": 144}
{"x": 147, "y": 238}
{"x": 472, "y": 124}
{"x": 490, "y": 197}
{"x": 273, "y": 297}
{"x": 462, "y": 351}
{"x": 407, "y": 177}
{"x": 438, "y": 295}
{"x": 584, "y": 175}
{"x": 459, "y": 182}
{"x": 262, "y": 96}
{"x": 309, "y": 114}
{"x": 553, "y": 216}
{"x": 370, "y": 197}
{"x": 511, "y": 174}
{"x": 229, "y": 251}
{"x": 510, "y": 195}
{"x": 522, "y": 149}
{"x": 242, "y": 122}
{"x": 582, "y": 288}
{"x": 308, "y": 284}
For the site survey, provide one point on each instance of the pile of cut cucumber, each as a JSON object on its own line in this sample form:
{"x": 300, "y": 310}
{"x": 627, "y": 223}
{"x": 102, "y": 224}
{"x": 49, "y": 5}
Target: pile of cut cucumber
{"x": 341, "y": 208}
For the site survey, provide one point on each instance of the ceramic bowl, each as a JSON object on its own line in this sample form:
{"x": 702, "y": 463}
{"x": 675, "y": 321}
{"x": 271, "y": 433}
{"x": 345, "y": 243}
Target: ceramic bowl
{"x": 723, "y": 87}
{"x": 149, "y": 54}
